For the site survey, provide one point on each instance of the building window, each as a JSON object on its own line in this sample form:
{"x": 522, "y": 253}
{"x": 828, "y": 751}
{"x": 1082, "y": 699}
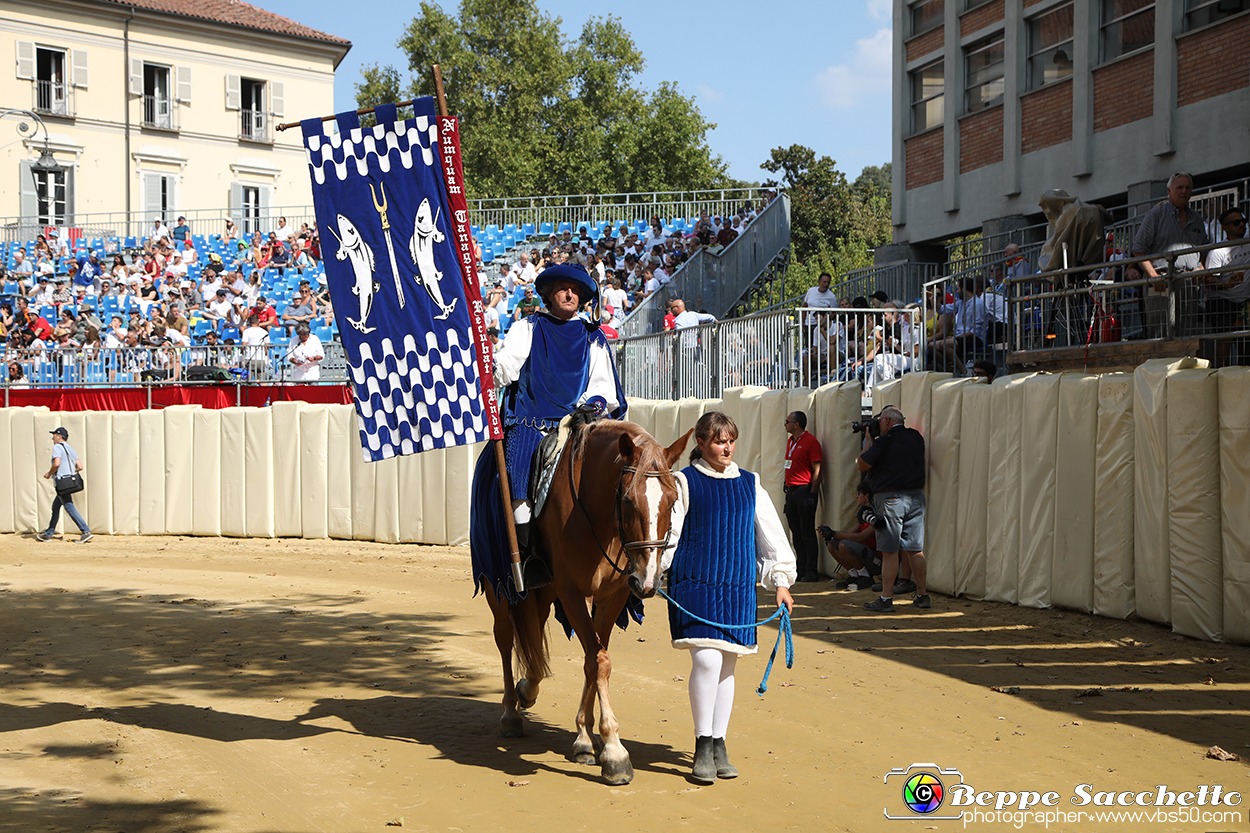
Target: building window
{"x": 1127, "y": 25}
{"x": 251, "y": 209}
{"x": 252, "y": 123}
{"x": 158, "y": 102}
{"x": 1201, "y": 12}
{"x": 984, "y": 63}
{"x": 51, "y": 197}
{"x": 928, "y": 88}
{"x": 51, "y": 91}
{"x": 926, "y": 15}
{"x": 160, "y": 196}
{"x": 1050, "y": 47}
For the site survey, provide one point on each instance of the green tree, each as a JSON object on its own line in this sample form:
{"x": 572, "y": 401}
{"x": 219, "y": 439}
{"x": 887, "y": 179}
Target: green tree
{"x": 543, "y": 114}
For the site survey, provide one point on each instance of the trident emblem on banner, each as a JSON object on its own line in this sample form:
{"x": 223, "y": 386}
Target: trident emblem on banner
{"x": 386, "y": 231}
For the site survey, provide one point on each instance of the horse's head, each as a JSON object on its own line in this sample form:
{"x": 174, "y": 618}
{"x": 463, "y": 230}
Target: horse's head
{"x": 648, "y": 491}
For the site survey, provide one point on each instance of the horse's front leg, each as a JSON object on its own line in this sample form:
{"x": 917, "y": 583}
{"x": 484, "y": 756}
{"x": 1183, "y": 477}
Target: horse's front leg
{"x": 614, "y": 760}
{"x": 578, "y": 612}
{"x": 510, "y": 725}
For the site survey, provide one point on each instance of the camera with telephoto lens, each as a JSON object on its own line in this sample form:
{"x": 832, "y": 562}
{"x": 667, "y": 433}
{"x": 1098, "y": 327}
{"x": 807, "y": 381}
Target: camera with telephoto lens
{"x": 866, "y": 515}
{"x": 871, "y": 425}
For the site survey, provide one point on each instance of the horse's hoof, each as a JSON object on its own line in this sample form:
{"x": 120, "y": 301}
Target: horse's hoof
{"x": 584, "y": 753}
{"x": 617, "y": 773}
{"x": 511, "y": 727}
{"x": 523, "y": 700}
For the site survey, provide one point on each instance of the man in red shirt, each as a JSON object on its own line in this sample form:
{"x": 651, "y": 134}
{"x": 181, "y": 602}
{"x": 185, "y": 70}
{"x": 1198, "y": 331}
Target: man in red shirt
{"x": 856, "y": 549}
{"x": 802, "y": 491}
{"x": 266, "y": 315}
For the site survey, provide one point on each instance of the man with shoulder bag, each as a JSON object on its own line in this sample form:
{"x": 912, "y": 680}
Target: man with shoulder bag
{"x": 67, "y": 471}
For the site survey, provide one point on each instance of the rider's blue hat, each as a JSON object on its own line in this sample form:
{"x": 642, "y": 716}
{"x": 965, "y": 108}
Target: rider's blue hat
{"x": 588, "y": 290}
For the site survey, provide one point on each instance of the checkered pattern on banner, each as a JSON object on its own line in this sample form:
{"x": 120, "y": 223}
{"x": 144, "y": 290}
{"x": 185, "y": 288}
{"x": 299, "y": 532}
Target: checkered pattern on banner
{"x": 387, "y": 243}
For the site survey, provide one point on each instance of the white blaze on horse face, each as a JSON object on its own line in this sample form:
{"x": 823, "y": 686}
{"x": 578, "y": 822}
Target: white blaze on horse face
{"x": 655, "y": 497}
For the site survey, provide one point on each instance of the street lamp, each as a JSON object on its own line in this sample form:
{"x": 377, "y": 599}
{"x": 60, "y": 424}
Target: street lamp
{"x": 46, "y": 162}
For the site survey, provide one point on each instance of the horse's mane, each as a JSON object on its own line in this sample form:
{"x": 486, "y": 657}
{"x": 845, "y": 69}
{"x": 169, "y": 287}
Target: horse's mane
{"x": 650, "y": 452}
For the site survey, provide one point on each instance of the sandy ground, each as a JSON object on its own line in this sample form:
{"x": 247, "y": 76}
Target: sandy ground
{"x": 169, "y": 684}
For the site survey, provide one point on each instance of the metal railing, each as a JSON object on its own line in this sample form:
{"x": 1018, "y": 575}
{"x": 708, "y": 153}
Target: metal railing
{"x": 52, "y": 98}
{"x": 160, "y": 112}
{"x": 1106, "y": 303}
{"x": 254, "y": 126}
{"x": 782, "y": 349}
{"x": 578, "y": 209}
{"x": 87, "y": 367}
{"x": 717, "y": 282}
{"x": 902, "y": 280}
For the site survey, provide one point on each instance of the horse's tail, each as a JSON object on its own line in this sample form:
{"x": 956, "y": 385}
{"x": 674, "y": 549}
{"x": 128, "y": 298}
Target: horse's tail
{"x": 530, "y": 628}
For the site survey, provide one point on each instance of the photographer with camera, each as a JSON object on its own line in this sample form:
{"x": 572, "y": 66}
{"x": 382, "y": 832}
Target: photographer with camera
{"x": 803, "y": 458}
{"x": 894, "y": 458}
{"x": 856, "y": 549}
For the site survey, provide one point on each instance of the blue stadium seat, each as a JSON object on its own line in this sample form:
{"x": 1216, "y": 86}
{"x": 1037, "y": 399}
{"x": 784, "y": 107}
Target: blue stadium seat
{"x": 505, "y": 321}
{"x": 487, "y": 255}
{"x": 679, "y": 224}
{"x": 545, "y": 230}
{"x": 528, "y": 229}
{"x": 132, "y": 243}
{"x": 565, "y": 226}
{"x": 199, "y": 329}
{"x": 125, "y": 378}
{"x": 47, "y": 374}
{"x": 230, "y": 332}
{"x": 69, "y": 376}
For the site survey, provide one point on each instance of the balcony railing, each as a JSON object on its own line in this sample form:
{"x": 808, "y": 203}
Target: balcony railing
{"x": 53, "y": 98}
{"x": 254, "y": 126}
{"x": 160, "y": 112}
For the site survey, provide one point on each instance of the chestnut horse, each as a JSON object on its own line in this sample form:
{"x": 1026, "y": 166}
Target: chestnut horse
{"x": 604, "y": 527}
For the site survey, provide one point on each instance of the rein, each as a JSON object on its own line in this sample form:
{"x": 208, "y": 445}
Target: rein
{"x": 784, "y": 630}
{"x": 625, "y": 547}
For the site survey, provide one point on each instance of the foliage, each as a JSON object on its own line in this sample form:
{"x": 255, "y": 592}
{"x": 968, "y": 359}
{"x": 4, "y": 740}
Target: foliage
{"x": 834, "y": 224}
{"x": 544, "y": 115}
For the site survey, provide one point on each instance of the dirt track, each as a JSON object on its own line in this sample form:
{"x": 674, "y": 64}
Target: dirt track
{"x": 166, "y": 684}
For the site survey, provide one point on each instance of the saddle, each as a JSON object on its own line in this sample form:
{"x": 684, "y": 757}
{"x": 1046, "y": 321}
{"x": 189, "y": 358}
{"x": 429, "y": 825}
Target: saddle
{"x": 547, "y": 455}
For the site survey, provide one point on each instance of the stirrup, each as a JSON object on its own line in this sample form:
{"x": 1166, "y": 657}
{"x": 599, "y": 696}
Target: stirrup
{"x": 535, "y": 572}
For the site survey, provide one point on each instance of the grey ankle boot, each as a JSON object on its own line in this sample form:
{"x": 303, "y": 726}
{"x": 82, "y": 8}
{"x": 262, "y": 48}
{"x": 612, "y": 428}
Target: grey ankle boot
{"x": 720, "y": 755}
{"x": 704, "y": 766}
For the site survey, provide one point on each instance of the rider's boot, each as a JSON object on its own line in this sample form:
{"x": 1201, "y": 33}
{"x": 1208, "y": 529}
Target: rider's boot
{"x": 534, "y": 568}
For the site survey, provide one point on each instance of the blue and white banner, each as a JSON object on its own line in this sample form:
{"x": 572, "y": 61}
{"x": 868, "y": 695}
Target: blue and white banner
{"x": 387, "y": 239}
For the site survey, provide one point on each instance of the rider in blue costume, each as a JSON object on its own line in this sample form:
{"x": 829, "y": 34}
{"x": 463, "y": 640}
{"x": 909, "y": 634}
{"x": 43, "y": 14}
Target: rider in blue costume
{"x": 550, "y": 364}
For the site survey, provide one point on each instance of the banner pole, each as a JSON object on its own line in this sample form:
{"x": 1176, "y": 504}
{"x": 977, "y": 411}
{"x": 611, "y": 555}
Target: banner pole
{"x": 505, "y": 491}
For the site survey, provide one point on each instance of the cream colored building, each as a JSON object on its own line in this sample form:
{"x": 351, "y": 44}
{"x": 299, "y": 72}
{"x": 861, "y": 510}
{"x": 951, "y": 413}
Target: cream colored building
{"x": 158, "y": 107}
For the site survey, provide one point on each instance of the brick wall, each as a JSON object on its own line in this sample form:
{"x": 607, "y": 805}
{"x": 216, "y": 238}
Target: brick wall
{"x": 981, "y": 140}
{"x": 924, "y": 159}
{"x": 980, "y": 17}
{"x": 922, "y": 45}
{"x": 1046, "y": 117}
{"x": 1213, "y": 62}
{"x": 1124, "y": 91}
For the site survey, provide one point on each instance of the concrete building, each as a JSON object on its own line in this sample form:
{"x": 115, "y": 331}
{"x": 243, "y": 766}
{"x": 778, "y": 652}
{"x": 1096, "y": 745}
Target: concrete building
{"x": 157, "y": 106}
{"x": 996, "y": 101}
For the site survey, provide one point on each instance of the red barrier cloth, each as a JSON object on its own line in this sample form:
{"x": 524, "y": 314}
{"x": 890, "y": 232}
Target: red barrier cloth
{"x": 207, "y": 396}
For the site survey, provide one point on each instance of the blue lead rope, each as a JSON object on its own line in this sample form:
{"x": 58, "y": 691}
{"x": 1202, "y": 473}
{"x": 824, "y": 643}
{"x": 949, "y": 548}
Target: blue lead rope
{"x": 784, "y": 630}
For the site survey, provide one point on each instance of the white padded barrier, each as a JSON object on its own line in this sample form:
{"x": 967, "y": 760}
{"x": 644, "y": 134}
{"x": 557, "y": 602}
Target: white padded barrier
{"x": 689, "y": 411}
{"x": 750, "y": 427}
{"x": 459, "y": 482}
{"x": 1003, "y": 509}
{"x": 206, "y": 473}
{"x": 125, "y": 469}
{"x": 362, "y": 489}
{"x": 7, "y": 474}
{"x": 971, "y": 497}
{"x": 386, "y": 505}
{"x": 1037, "y": 489}
{"x": 774, "y": 406}
{"x": 314, "y": 486}
{"x": 30, "y": 461}
{"x": 1113, "y": 498}
{"x": 234, "y": 495}
{"x": 641, "y": 412}
{"x": 915, "y": 398}
{"x": 1151, "y": 534}
{"x": 664, "y": 416}
{"x": 942, "y": 484}
{"x": 258, "y": 479}
{"x": 1072, "y": 568}
{"x": 152, "y": 473}
{"x": 1193, "y": 508}
{"x": 342, "y": 444}
{"x": 833, "y": 408}
{"x": 96, "y": 450}
{"x": 1234, "y": 391}
{"x": 179, "y": 468}
{"x": 888, "y": 393}
{"x": 287, "y": 521}
{"x": 409, "y": 496}
{"x": 434, "y": 489}
{"x": 40, "y": 443}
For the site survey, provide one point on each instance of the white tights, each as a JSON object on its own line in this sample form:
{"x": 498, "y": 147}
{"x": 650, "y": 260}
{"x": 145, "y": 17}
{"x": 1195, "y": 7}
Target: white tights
{"x": 711, "y": 690}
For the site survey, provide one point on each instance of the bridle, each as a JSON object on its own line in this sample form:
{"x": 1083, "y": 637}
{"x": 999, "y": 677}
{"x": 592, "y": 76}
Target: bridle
{"x": 620, "y": 487}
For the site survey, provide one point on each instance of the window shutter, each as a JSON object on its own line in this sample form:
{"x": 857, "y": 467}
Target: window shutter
{"x": 233, "y": 95}
{"x": 69, "y": 195}
{"x": 184, "y": 84}
{"x": 29, "y": 197}
{"x": 236, "y": 204}
{"x": 26, "y": 59}
{"x": 277, "y": 98}
{"x": 266, "y": 222}
{"x": 151, "y": 197}
{"x": 80, "y": 68}
{"x": 136, "y": 76}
